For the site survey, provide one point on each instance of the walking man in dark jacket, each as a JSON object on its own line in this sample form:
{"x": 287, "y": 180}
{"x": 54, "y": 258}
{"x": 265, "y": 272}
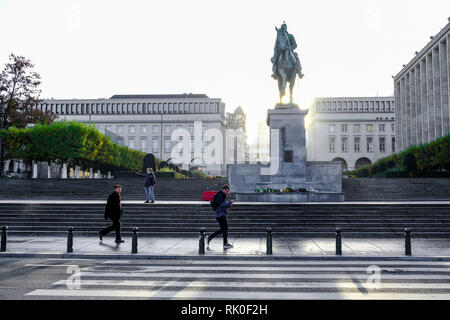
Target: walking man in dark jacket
{"x": 113, "y": 211}
{"x": 221, "y": 216}
{"x": 149, "y": 183}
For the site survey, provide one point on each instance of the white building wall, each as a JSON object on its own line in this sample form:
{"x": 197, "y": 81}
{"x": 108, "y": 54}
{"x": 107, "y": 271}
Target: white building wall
{"x": 154, "y": 114}
{"x": 328, "y": 113}
{"x": 422, "y": 94}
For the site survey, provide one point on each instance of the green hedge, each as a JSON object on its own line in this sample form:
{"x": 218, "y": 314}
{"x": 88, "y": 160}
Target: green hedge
{"x": 429, "y": 159}
{"x": 70, "y": 142}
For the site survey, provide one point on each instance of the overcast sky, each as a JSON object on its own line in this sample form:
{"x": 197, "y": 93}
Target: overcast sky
{"x": 94, "y": 49}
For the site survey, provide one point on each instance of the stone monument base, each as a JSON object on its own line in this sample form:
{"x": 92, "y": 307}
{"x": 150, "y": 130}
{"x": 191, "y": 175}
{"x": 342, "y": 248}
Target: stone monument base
{"x": 321, "y": 196}
{"x": 288, "y": 167}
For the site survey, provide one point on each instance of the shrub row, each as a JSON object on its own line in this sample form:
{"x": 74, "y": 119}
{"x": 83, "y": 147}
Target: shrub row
{"x": 426, "y": 158}
{"x": 74, "y": 143}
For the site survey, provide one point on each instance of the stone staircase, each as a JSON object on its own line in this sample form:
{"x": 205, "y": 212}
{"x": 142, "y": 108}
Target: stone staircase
{"x": 99, "y": 189}
{"x": 406, "y": 189}
{"x": 245, "y": 220}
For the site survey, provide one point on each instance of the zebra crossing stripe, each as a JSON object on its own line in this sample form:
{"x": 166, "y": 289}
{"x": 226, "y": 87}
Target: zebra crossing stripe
{"x": 187, "y": 294}
{"x": 265, "y": 284}
{"x": 330, "y": 275}
{"x": 267, "y": 269}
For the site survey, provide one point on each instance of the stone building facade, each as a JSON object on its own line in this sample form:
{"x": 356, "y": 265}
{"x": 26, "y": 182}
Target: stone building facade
{"x": 147, "y": 123}
{"x": 356, "y": 131}
{"x": 422, "y": 94}
{"x": 236, "y": 136}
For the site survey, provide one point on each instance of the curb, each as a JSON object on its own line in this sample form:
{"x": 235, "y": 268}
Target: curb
{"x": 217, "y": 257}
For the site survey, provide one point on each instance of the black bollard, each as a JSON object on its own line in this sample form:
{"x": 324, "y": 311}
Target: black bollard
{"x": 134, "y": 242}
{"x": 70, "y": 239}
{"x": 201, "y": 241}
{"x": 269, "y": 241}
{"x": 4, "y": 238}
{"x": 407, "y": 242}
{"x": 338, "y": 242}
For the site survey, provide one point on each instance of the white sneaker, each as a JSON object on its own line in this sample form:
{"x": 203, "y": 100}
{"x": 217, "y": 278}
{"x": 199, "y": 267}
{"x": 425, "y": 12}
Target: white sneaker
{"x": 227, "y": 246}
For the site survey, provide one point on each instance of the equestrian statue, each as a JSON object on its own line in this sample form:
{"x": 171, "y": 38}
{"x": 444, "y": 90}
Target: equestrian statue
{"x": 286, "y": 64}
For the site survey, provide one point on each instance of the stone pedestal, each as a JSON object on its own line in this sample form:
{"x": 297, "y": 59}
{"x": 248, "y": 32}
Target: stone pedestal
{"x": 288, "y": 167}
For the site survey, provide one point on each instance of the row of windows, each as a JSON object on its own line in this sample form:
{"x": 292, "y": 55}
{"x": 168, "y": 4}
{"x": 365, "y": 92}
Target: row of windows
{"x": 357, "y": 144}
{"x": 154, "y": 129}
{"x": 357, "y": 128}
{"x": 167, "y": 144}
{"x": 351, "y": 106}
{"x": 133, "y": 108}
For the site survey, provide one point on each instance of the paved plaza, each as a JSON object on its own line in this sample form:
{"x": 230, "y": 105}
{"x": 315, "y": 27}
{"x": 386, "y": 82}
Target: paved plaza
{"x": 24, "y": 246}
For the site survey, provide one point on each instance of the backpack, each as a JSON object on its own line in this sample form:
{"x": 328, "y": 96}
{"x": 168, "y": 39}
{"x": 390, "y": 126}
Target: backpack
{"x": 216, "y": 201}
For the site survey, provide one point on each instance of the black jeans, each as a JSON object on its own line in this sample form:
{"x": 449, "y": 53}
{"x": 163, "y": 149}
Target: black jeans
{"x": 115, "y": 226}
{"x": 223, "y": 229}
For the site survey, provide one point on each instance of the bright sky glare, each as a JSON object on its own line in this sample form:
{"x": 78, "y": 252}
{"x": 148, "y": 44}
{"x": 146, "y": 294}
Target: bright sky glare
{"x": 94, "y": 49}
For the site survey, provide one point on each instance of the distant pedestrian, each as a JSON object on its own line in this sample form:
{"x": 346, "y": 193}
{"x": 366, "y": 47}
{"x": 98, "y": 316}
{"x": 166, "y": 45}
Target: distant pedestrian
{"x": 149, "y": 183}
{"x": 113, "y": 211}
{"x": 220, "y": 204}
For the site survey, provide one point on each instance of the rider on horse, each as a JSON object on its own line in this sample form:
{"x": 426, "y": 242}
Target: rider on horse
{"x": 292, "y": 45}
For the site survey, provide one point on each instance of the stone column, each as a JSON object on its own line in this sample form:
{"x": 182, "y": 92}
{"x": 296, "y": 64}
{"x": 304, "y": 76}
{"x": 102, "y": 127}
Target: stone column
{"x": 418, "y": 105}
{"x": 109, "y": 175}
{"x": 99, "y": 174}
{"x": 15, "y": 166}
{"x": 444, "y": 87}
{"x": 437, "y": 92}
{"x": 408, "y": 109}
{"x": 34, "y": 169}
{"x": 49, "y": 170}
{"x": 91, "y": 173}
{"x": 64, "y": 171}
{"x": 77, "y": 172}
{"x": 430, "y": 100}
{"x": 423, "y": 102}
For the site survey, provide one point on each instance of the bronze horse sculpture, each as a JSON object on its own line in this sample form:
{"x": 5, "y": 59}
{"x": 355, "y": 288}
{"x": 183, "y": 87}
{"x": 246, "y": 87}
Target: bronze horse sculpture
{"x": 286, "y": 62}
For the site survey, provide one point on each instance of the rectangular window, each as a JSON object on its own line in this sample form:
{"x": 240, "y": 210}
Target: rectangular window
{"x": 167, "y": 129}
{"x": 331, "y": 142}
{"x": 369, "y": 128}
{"x": 143, "y": 145}
{"x": 369, "y": 144}
{"x": 131, "y": 129}
{"x": 143, "y": 129}
{"x": 344, "y": 144}
{"x": 392, "y": 127}
{"x": 131, "y": 143}
{"x": 356, "y": 127}
{"x": 155, "y": 145}
{"x": 357, "y": 140}
{"x": 119, "y": 129}
{"x": 155, "y": 129}
{"x": 393, "y": 144}
{"x": 331, "y": 128}
{"x": 381, "y": 127}
{"x": 167, "y": 144}
{"x": 382, "y": 144}
{"x": 344, "y": 127}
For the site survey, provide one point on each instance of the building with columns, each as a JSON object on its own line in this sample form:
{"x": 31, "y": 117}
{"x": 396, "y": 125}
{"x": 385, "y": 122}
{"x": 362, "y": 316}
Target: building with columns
{"x": 147, "y": 123}
{"x": 356, "y": 131}
{"x": 422, "y": 94}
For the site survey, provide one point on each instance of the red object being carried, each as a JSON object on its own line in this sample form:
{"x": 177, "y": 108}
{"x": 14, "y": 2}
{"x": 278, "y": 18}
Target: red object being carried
{"x": 208, "y": 195}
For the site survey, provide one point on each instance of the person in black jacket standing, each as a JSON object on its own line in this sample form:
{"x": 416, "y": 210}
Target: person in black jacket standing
{"x": 149, "y": 183}
{"x": 113, "y": 211}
